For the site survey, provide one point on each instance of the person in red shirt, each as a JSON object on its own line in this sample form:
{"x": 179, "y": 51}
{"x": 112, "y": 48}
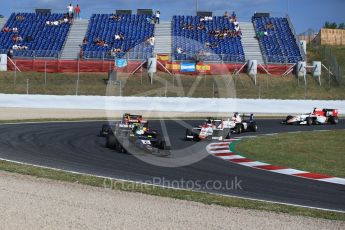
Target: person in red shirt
{"x": 77, "y": 12}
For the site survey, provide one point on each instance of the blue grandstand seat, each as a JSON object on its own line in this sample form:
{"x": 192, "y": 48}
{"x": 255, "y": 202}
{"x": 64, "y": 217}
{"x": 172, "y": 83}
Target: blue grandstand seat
{"x": 135, "y": 28}
{"x": 47, "y": 40}
{"x": 280, "y": 45}
{"x": 229, "y": 49}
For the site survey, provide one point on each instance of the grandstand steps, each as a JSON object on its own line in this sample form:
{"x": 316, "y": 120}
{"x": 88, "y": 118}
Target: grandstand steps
{"x": 250, "y": 44}
{"x": 75, "y": 38}
{"x": 163, "y": 41}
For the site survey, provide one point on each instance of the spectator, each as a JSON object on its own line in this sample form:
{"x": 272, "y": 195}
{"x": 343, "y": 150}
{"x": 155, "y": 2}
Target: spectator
{"x": 260, "y": 34}
{"x": 84, "y": 41}
{"x": 152, "y": 41}
{"x": 158, "y": 14}
{"x": 15, "y": 47}
{"x": 81, "y": 54}
{"x": 119, "y": 37}
{"x": 15, "y": 30}
{"x": 20, "y": 18}
{"x": 77, "y": 12}
{"x": 226, "y": 15}
{"x": 269, "y": 26}
{"x": 117, "y": 17}
{"x": 6, "y": 29}
{"x": 70, "y": 10}
{"x": 201, "y": 27}
{"x": 10, "y": 53}
{"x": 179, "y": 50}
{"x": 233, "y": 15}
{"x": 235, "y": 22}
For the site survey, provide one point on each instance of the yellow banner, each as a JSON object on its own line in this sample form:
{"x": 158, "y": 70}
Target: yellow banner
{"x": 162, "y": 57}
{"x": 172, "y": 66}
{"x": 203, "y": 67}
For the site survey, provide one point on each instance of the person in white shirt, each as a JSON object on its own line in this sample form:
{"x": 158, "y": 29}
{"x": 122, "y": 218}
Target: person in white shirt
{"x": 70, "y": 9}
{"x": 152, "y": 41}
{"x": 158, "y": 14}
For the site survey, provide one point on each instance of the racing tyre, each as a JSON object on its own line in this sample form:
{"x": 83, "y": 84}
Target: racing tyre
{"x": 309, "y": 121}
{"x": 334, "y": 120}
{"x": 254, "y": 128}
{"x": 111, "y": 141}
{"x": 238, "y": 128}
{"x": 188, "y": 133}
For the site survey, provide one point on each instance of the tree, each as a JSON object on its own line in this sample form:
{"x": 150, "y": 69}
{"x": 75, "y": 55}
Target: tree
{"x": 333, "y": 25}
{"x": 341, "y": 26}
{"x": 327, "y": 24}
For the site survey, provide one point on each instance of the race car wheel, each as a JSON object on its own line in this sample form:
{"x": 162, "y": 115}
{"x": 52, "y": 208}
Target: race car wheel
{"x": 333, "y": 120}
{"x": 238, "y": 128}
{"x": 309, "y": 121}
{"x": 111, "y": 141}
{"x": 254, "y": 128}
{"x": 188, "y": 133}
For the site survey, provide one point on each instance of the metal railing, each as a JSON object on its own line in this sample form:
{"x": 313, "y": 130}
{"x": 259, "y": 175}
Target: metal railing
{"x": 33, "y": 54}
{"x": 208, "y": 57}
{"x": 274, "y": 59}
{"x": 107, "y": 55}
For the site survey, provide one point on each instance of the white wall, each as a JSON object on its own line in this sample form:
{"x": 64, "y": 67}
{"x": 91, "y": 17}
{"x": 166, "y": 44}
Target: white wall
{"x": 167, "y": 104}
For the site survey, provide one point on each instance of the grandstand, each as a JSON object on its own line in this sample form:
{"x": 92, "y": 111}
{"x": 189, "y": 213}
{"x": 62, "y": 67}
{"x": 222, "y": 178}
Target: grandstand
{"x": 65, "y": 41}
{"x": 46, "y": 40}
{"x": 279, "y": 45}
{"x": 135, "y": 29}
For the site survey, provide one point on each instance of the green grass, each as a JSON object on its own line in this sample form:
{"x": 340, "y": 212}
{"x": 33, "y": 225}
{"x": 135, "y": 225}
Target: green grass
{"x": 165, "y": 85}
{"x": 319, "y": 152}
{"x": 314, "y": 53}
{"x": 205, "y": 198}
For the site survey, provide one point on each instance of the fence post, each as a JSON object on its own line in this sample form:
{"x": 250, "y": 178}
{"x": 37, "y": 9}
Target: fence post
{"x": 45, "y": 73}
{"x": 15, "y": 73}
{"x": 27, "y": 86}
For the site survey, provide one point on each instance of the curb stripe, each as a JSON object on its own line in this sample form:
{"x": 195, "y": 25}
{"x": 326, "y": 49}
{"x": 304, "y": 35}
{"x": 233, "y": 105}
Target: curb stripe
{"x": 223, "y": 154}
{"x": 312, "y": 175}
{"x": 233, "y": 157}
{"x": 240, "y": 160}
{"x": 225, "y": 151}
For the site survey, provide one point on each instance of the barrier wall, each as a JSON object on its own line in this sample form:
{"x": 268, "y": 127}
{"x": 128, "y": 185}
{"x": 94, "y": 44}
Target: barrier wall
{"x": 60, "y": 66}
{"x": 172, "y": 104}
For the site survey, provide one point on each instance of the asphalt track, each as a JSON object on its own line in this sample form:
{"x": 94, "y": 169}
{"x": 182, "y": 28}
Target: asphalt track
{"x": 75, "y": 146}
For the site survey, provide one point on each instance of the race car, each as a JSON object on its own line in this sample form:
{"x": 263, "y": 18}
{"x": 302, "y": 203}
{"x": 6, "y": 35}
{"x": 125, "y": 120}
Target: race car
{"x": 138, "y": 138}
{"x": 212, "y": 129}
{"x": 239, "y": 125}
{"x": 318, "y": 116}
{"x": 128, "y": 122}
{"x": 219, "y": 129}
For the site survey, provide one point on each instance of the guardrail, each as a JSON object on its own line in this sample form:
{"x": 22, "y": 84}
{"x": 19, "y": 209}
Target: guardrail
{"x": 33, "y": 54}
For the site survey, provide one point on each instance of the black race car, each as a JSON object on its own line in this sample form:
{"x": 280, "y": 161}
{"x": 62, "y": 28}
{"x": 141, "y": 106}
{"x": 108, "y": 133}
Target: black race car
{"x": 138, "y": 139}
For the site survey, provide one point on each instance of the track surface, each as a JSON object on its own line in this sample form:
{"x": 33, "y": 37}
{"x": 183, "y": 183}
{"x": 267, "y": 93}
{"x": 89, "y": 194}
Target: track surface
{"x": 75, "y": 146}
